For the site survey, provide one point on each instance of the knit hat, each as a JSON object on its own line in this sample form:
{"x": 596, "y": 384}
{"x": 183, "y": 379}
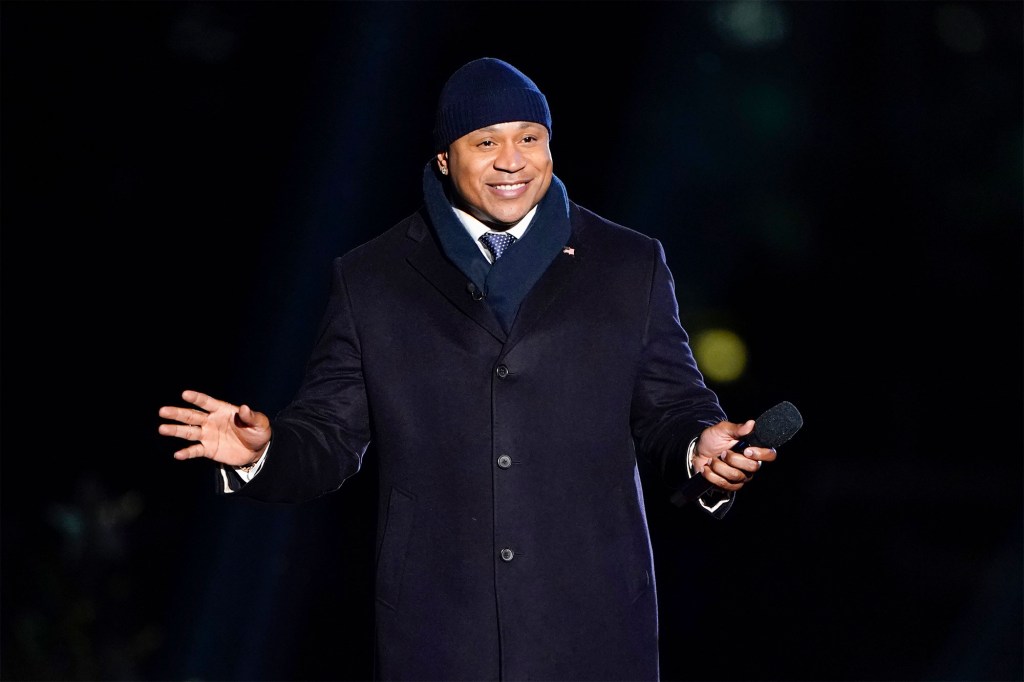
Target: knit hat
{"x": 484, "y": 92}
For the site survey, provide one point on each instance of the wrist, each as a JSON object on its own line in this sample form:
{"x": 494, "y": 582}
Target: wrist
{"x": 250, "y": 466}
{"x": 696, "y": 462}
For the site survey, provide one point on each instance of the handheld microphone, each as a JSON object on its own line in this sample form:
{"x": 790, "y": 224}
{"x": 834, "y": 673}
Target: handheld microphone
{"x": 775, "y": 426}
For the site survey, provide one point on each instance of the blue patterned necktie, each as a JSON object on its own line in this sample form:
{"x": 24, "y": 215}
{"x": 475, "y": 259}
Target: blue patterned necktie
{"x": 497, "y": 242}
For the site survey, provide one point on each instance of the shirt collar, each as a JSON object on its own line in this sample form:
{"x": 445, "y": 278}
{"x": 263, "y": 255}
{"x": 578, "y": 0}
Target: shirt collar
{"x": 475, "y": 228}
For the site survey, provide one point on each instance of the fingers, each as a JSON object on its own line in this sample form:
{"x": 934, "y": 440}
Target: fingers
{"x": 731, "y": 470}
{"x": 215, "y": 429}
{"x": 743, "y": 462}
{"x": 191, "y": 432}
{"x": 251, "y": 417}
{"x": 206, "y": 402}
{"x": 192, "y": 422}
{"x": 190, "y": 452}
{"x": 724, "y": 435}
{"x": 187, "y": 415}
{"x": 184, "y": 415}
{"x": 726, "y": 474}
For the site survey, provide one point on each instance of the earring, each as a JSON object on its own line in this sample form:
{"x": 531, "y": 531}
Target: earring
{"x": 444, "y": 170}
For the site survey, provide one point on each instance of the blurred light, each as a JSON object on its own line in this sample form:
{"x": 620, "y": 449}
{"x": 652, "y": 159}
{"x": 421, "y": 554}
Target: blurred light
{"x": 721, "y": 354}
{"x": 750, "y": 23}
{"x": 960, "y": 28}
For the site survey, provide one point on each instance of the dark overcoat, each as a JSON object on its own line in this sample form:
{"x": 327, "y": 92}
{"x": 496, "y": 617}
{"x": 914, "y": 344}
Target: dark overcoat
{"x": 512, "y": 540}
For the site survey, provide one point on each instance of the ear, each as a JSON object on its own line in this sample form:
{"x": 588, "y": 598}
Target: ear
{"x": 442, "y": 162}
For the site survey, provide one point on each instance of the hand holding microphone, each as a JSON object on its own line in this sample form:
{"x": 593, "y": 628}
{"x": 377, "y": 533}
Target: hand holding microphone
{"x": 774, "y": 427}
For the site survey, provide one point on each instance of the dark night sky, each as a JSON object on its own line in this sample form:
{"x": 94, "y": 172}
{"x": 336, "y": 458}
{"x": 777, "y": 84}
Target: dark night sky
{"x": 838, "y": 183}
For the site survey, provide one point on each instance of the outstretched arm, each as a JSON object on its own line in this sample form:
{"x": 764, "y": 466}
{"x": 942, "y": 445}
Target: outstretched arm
{"x": 226, "y": 433}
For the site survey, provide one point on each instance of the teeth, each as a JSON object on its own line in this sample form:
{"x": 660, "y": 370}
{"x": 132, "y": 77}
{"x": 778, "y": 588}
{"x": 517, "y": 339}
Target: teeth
{"x": 507, "y": 188}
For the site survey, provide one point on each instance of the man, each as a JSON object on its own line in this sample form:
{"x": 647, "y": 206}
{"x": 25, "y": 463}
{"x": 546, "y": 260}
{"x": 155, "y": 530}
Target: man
{"x": 509, "y": 353}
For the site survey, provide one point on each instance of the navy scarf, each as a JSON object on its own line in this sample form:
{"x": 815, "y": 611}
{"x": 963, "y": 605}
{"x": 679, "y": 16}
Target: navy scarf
{"x": 507, "y": 282}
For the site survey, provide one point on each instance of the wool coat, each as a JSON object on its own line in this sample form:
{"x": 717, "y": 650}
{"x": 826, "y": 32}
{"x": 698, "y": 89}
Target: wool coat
{"x": 512, "y": 540}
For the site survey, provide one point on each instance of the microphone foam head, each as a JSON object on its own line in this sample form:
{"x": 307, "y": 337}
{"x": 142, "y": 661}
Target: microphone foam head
{"x": 776, "y": 425}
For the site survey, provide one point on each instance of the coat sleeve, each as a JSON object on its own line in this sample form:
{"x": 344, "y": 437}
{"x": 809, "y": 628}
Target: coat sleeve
{"x": 320, "y": 437}
{"x": 671, "y": 403}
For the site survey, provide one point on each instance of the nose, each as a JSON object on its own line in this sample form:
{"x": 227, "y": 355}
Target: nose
{"x": 509, "y": 159}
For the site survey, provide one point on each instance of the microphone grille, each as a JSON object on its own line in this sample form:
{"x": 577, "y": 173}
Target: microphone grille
{"x": 776, "y": 425}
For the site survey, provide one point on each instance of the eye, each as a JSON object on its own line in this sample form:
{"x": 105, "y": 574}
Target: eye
{"x": 486, "y": 143}
{"x": 529, "y": 138}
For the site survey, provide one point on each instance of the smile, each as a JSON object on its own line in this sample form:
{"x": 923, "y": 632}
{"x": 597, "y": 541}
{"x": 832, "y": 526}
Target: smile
{"x": 509, "y": 188}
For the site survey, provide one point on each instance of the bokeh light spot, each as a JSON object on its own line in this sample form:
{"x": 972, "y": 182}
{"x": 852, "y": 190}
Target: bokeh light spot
{"x": 721, "y": 354}
{"x": 750, "y": 23}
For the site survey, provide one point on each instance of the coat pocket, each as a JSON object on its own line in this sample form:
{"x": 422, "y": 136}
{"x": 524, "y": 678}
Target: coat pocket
{"x": 394, "y": 546}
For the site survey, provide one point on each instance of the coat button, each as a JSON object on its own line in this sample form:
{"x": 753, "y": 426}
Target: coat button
{"x": 504, "y": 461}
{"x": 507, "y": 554}
{"x": 502, "y": 371}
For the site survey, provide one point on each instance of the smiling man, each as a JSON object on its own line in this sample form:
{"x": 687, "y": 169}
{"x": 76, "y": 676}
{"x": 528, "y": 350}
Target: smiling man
{"x": 508, "y": 354}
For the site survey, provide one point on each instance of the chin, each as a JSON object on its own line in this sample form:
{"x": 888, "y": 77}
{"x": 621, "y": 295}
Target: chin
{"x": 508, "y": 218}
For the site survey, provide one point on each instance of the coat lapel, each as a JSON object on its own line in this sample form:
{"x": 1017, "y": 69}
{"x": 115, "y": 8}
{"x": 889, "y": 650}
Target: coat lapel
{"x": 428, "y": 260}
{"x": 547, "y": 291}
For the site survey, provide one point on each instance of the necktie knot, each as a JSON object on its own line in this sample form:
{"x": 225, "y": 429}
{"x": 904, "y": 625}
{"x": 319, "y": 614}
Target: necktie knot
{"x": 497, "y": 242}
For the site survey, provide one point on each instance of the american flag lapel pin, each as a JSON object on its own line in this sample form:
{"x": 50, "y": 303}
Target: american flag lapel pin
{"x": 569, "y": 250}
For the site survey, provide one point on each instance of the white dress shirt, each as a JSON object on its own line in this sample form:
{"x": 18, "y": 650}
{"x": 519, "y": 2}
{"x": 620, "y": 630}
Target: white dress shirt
{"x": 475, "y": 228}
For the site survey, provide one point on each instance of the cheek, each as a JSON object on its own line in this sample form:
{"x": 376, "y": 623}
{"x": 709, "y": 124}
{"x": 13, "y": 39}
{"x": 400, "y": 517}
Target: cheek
{"x": 466, "y": 188}
{"x": 545, "y": 185}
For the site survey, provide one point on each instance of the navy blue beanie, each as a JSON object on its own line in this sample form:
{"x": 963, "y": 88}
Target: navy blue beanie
{"x": 484, "y": 92}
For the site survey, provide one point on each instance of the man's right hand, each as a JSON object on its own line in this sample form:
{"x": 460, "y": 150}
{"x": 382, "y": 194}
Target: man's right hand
{"x": 226, "y": 433}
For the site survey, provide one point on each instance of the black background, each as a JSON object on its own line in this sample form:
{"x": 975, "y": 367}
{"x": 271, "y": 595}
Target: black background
{"x": 843, "y": 192}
